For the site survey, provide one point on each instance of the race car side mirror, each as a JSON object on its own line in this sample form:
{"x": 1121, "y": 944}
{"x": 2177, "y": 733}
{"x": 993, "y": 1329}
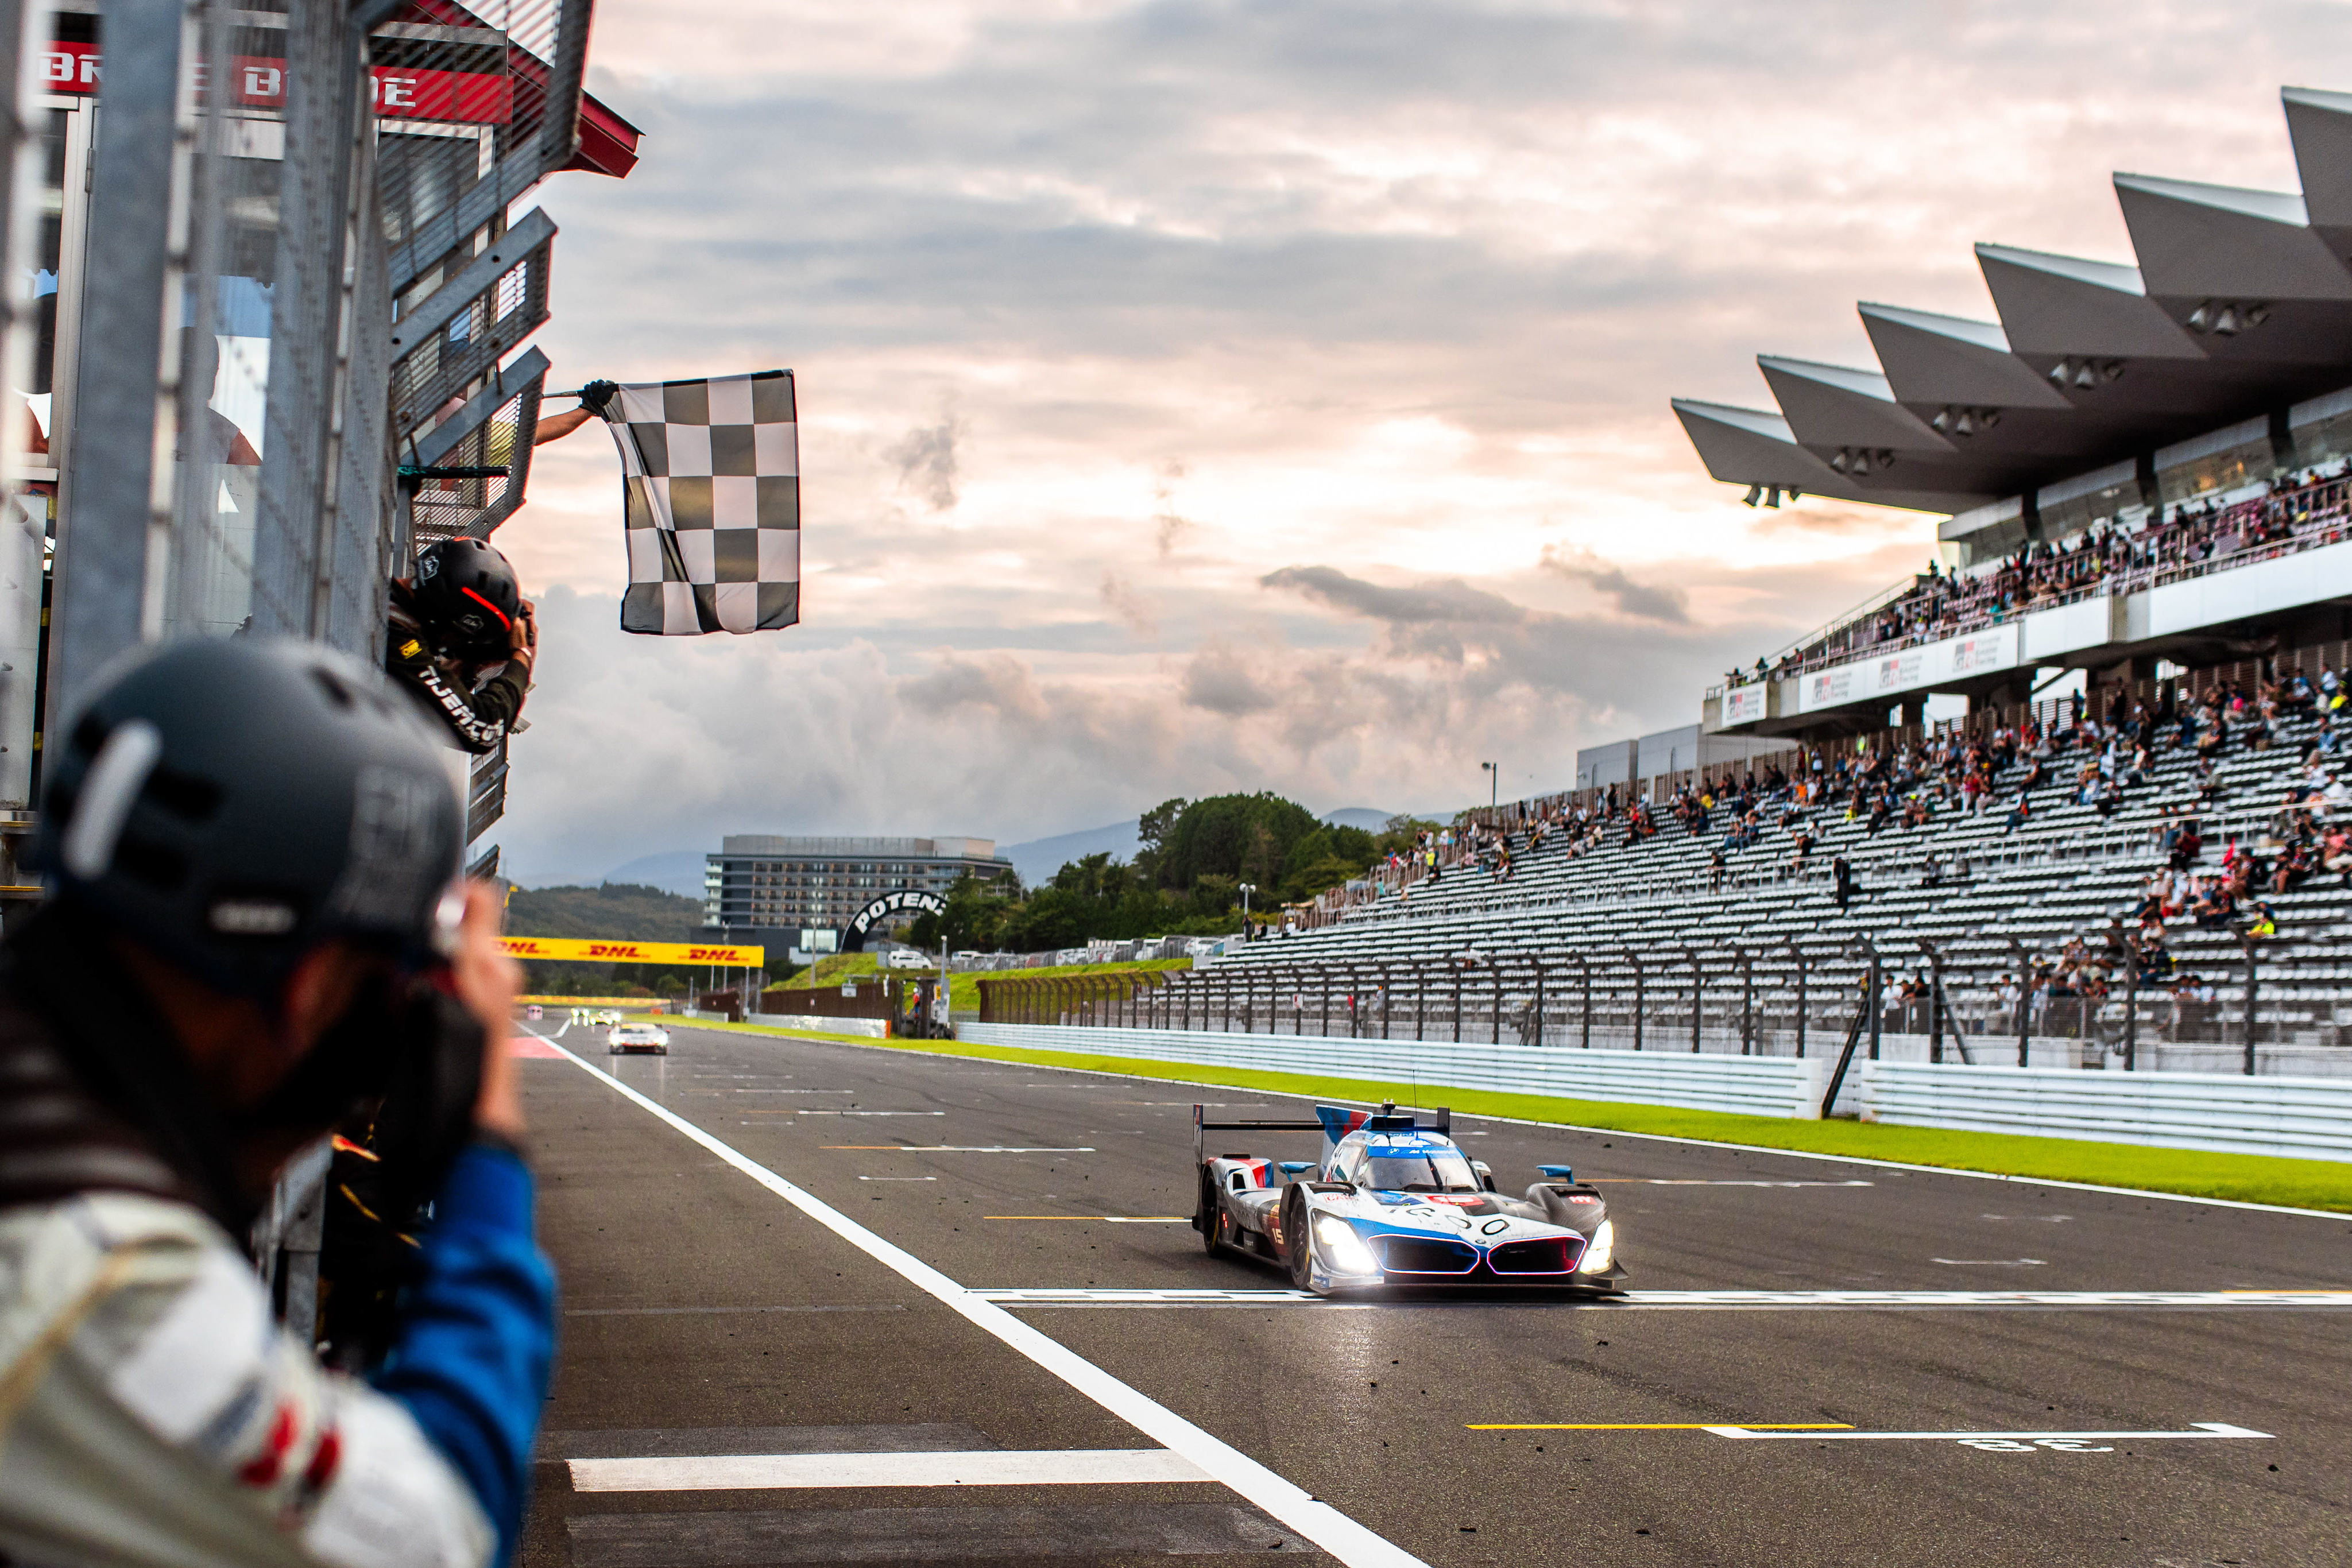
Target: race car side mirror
{"x": 1558, "y": 1173}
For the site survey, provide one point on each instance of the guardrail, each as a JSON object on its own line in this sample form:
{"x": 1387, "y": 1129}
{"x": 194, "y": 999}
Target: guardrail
{"x": 2304, "y": 1118}
{"x": 1752, "y": 1086}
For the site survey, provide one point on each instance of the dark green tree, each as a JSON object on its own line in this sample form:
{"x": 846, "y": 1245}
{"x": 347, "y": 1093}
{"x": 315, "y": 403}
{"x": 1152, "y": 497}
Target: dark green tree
{"x": 1247, "y": 838}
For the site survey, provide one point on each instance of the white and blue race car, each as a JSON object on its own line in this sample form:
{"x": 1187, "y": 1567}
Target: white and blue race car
{"x": 1394, "y": 1202}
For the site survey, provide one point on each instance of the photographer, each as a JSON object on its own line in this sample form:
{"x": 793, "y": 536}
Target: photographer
{"x": 460, "y": 619}
{"x": 255, "y": 928}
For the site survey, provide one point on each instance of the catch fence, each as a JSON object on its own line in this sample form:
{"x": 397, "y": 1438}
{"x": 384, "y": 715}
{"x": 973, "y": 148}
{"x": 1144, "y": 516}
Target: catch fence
{"x": 1792, "y": 1000}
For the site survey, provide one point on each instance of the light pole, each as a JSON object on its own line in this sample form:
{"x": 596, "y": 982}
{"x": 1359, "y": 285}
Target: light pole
{"x": 1246, "y": 889}
{"x": 1494, "y": 784}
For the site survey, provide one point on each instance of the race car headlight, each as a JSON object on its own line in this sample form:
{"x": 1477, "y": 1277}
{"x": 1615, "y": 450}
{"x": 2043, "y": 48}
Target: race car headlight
{"x": 1597, "y": 1256}
{"x": 1342, "y": 1249}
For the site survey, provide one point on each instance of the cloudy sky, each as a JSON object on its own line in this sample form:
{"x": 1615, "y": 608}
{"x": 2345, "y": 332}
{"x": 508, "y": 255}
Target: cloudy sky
{"x": 1202, "y": 396}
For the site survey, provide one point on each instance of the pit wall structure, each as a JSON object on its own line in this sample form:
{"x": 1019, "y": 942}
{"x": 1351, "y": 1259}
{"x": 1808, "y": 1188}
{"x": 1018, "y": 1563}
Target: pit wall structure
{"x": 872, "y": 1029}
{"x": 2296, "y": 1117}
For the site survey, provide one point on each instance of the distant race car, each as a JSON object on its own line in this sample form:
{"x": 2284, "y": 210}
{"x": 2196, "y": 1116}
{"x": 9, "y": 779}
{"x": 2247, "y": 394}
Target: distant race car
{"x": 624, "y": 1038}
{"x": 1395, "y": 1203}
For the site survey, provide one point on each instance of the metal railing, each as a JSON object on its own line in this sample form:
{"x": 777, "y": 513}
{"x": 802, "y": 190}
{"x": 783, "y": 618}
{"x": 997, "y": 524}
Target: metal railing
{"x": 1957, "y": 1008}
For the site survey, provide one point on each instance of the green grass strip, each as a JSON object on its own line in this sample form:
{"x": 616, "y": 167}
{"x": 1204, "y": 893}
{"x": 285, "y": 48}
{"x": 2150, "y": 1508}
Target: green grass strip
{"x": 2245, "y": 1178}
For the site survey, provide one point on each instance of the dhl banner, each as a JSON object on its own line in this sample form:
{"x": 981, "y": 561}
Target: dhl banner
{"x": 595, "y": 951}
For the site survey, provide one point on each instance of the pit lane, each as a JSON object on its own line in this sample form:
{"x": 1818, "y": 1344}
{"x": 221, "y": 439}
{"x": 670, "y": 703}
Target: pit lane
{"x": 700, "y": 1305}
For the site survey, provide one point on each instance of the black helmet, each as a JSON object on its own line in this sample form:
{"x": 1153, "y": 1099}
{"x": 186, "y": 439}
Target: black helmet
{"x": 467, "y": 597}
{"x": 232, "y": 802}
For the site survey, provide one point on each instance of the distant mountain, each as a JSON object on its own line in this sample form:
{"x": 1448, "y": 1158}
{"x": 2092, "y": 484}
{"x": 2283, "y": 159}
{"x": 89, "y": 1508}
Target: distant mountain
{"x": 678, "y": 871}
{"x": 1363, "y": 817}
{"x": 1039, "y": 859}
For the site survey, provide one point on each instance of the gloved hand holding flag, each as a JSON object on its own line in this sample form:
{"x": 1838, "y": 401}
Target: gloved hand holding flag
{"x": 711, "y": 492}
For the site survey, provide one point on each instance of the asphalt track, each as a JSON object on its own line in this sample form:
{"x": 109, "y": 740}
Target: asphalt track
{"x": 840, "y": 1366}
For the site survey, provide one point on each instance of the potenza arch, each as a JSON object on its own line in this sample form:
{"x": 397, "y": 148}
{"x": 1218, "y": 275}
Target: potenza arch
{"x": 907, "y": 901}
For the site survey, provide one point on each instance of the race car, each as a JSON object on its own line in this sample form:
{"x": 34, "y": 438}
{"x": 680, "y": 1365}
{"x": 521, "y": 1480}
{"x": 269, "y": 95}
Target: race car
{"x": 1394, "y": 1202}
{"x": 622, "y": 1038}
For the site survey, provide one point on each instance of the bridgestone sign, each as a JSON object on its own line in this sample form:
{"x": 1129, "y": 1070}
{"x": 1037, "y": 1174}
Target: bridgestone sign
{"x": 907, "y": 901}
{"x": 577, "y": 950}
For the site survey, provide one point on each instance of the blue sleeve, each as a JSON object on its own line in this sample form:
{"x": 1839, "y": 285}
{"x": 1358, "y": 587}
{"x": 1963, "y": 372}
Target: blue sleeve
{"x": 478, "y": 1333}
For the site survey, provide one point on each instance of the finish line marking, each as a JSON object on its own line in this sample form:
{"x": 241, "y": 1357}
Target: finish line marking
{"x": 1698, "y": 1301}
{"x": 993, "y": 1467}
{"x": 2015, "y": 1442}
{"x": 1350, "y": 1542}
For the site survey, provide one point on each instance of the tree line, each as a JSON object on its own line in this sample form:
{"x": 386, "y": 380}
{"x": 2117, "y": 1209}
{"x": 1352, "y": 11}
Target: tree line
{"x": 1185, "y": 879}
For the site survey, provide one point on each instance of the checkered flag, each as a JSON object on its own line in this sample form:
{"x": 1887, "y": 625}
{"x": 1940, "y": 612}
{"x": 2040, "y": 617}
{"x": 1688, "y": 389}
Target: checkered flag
{"x": 710, "y": 481}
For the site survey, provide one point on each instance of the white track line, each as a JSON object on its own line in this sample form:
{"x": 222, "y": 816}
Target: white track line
{"x": 1149, "y": 1298}
{"x": 993, "y": 1467}
{"x": 1694, "y": 1181}
{"x": 1318, "y": 1522}
{"x": 1717, "y": 1300}
{"x": 1666, "y": 1138}
{"x": 2200, "y": 1429}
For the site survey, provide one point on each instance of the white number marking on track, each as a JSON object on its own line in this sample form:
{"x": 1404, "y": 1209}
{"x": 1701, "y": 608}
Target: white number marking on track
{"x": 2021, "y": 1442}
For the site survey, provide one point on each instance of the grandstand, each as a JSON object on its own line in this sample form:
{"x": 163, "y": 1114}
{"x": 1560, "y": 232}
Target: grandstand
{"x": 2146, "y": 478}
{"x": 1649, "y": 919}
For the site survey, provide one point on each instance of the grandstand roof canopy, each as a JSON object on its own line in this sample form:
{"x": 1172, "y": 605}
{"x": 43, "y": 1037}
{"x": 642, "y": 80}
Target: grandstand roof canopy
{"x": 2241, "y": 306}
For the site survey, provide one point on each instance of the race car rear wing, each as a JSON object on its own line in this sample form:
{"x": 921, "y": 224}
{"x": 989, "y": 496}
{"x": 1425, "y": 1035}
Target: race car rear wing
{"x": 1333, "y": 1122}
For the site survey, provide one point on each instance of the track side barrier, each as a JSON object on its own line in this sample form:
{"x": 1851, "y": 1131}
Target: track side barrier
{"x": 2299, "y": 1118}
{"x": 2295, "y": 1118}
{"x": 1746, "y": 1085}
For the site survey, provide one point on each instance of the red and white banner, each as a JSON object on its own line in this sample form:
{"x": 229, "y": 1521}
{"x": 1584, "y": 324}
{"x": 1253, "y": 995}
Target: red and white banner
{"x": 399, "y": 92}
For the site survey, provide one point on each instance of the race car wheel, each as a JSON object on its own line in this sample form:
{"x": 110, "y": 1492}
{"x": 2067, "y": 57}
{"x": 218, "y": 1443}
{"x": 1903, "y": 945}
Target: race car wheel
{"x": 1296, "y": 1242}
{"x": 1209, "y": 1215}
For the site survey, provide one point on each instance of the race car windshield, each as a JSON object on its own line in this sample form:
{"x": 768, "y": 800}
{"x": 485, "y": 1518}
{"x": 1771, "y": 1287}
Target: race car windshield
{"x": 1435, "y": 1171}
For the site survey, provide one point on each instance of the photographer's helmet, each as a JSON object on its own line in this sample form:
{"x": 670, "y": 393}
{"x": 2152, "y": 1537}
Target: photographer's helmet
{"x": 468, "y": 596}
{"x": 234, "y": 802}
